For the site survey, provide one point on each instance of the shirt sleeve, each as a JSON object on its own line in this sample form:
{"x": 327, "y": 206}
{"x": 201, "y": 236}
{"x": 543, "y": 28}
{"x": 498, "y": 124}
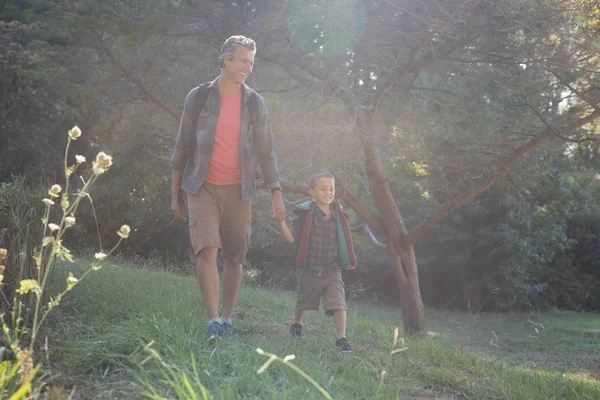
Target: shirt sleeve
{"x": 265, "y": 144}
{"x": 181, "y": 152}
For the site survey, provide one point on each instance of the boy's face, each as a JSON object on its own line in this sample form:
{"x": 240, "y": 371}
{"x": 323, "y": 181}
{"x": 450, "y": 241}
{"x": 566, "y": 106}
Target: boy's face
{"x": 239, "y": 67}
{"x": 323, "y": 191}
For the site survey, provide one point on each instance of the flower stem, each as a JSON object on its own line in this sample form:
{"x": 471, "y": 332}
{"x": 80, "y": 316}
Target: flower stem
{"x": 300, "y": 372}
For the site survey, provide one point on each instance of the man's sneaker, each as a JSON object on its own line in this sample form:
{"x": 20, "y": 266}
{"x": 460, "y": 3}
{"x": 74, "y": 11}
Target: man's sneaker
{"x": 229, "y": 332}
{"x": 215, "y": 330}
{"x": 227, "y": 329}
{"x": 344, "y": 346}
{"x": 296, "y": 329}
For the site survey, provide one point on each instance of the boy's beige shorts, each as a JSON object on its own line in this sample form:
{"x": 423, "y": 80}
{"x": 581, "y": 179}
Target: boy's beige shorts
{"x": 311, "y": 288}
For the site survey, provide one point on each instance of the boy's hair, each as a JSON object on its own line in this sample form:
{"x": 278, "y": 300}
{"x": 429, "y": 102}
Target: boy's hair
{"x": 319, "y": 175}
{"x": 232, "y": 44}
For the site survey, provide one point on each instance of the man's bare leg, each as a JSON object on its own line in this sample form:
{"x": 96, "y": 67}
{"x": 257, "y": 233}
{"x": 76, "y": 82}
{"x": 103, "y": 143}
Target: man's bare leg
{"x": 208, "y": 280}
{"x": 231, "y": 282}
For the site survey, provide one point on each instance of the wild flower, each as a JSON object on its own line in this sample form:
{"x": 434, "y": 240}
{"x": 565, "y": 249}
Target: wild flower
{"x": 124, "y": 231}
{"x": 75, "y": 133}
{"x": 79, "y": 159}
{"x": 54, "y": 190}
{"x": 102, "y": 163}
{"x": 53, "y": 227}
{"x": 29, "y": 285}
{"x": 103, "y": 160}
{"x": 71, "y": 281}
{"x": 48, "y": 202}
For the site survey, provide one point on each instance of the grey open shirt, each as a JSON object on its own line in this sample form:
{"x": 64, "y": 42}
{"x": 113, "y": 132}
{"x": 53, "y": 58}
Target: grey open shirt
{"x": 256, "y": 142}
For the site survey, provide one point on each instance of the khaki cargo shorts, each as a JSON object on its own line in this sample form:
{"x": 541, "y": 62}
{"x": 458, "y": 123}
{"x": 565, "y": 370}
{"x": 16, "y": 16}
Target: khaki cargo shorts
{"x": 311, "y": 288}
{"x": 219, "y": 218}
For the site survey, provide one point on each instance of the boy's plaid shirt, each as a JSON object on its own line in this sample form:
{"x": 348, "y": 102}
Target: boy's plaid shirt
{"x": 322, "y": 257}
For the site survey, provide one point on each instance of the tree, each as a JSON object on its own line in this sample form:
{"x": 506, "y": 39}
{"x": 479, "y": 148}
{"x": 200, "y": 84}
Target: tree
{"x": 33, "y": 115}
{"x": 538, "y": 63}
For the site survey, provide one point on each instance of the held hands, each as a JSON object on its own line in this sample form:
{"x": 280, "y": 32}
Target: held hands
{"x": 278, "y": 213}
{"x": 280, "y": 218}
{"x": 277, "y": 207}
{"x": 350, "y": 267}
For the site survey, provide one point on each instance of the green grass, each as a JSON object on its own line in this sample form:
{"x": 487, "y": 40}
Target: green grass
{"x": 98, "y": 335}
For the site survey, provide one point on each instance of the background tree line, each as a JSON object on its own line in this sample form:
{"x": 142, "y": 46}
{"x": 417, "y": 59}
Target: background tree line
{"x": 464, "y": 134}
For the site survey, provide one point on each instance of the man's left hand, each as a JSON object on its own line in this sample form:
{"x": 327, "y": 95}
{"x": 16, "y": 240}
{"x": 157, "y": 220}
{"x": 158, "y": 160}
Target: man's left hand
{"x": 277, "y": 207}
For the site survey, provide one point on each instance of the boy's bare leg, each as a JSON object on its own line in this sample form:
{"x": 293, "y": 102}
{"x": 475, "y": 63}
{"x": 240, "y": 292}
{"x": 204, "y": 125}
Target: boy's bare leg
{"x": 231, "y": 282}
{"x": 208, "y": 280}
{"x": 299, "y": 316}
{"x": 339, "y": 317}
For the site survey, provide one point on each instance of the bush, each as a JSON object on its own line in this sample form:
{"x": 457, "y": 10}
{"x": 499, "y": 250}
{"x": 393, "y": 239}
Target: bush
{"x": 21, "y": 211}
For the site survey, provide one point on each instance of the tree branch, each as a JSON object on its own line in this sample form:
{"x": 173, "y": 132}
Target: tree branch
{"x": 371, "y": 219}
{"x": 158, "y": 101}
{"x": 364, "y": 228}
{"x": 448, "y": 208}
{"x": 286, "y": 90}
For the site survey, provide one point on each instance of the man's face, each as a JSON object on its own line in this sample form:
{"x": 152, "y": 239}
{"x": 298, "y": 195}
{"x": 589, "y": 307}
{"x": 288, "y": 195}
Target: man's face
{"x": 239, "y": 67}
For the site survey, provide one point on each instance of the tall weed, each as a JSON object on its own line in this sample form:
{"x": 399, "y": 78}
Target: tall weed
{"x": 31, "y": 253}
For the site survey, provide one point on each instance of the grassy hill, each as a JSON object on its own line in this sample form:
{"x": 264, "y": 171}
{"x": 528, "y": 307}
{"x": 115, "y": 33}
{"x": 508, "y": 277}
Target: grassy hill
{"x": 137, "y": 333}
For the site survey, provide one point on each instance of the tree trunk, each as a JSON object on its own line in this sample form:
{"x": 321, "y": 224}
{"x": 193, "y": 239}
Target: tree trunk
{"x": 401, "y": 252}
{"x": 407, "y": 278}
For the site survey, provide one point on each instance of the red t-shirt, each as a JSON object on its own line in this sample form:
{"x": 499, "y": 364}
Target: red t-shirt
{"x": 224, "y": 165}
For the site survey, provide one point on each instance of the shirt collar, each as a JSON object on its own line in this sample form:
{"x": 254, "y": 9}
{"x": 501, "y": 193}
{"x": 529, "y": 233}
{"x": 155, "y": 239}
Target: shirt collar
{"x": 246, "y": 90}
{"x": 322, "y": 215}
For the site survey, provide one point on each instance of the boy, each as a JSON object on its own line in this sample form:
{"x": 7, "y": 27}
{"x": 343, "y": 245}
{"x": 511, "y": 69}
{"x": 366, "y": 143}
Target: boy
{"x": 324, "y": 245}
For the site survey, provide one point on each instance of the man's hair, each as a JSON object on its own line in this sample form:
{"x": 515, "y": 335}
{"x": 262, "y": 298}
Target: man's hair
{"x": 319, "y": 175}
{"x": 232, "y": 44}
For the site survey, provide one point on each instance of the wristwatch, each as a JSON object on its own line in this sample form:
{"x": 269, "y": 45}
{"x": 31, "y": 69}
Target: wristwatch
{"x": 275, "y": 189}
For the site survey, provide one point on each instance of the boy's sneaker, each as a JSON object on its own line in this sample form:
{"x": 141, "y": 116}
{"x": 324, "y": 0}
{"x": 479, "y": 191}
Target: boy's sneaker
{"x": 215, "y": 330}
{"x": 296, "y": 329}
{"x": 344, "y": 346}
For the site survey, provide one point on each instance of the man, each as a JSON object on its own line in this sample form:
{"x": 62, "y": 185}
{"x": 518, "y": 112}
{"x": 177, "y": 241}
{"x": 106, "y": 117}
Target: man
{"x": 217, "y": 171}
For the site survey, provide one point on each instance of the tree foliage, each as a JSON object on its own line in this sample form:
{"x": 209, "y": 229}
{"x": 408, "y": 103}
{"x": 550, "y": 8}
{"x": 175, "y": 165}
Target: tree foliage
{"x": 486, "y": 105}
